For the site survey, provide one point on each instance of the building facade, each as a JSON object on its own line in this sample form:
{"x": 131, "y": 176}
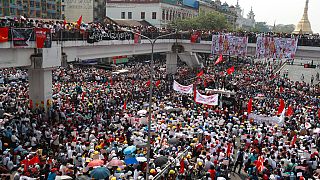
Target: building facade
{"x": 158, "y": 13}
{"x": 73, "y": 9}
{"x": 244, "y": 23}
{"x": 206, "y": 6}
{"x": 44, "y": 9}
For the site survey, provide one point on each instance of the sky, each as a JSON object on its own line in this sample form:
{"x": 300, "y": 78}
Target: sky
{"x": 281, "y": 11}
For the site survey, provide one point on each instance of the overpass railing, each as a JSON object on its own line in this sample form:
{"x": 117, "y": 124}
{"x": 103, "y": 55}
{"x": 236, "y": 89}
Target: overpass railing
{"x": 81, "y": 35}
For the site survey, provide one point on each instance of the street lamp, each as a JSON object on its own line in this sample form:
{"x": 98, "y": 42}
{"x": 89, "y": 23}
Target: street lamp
{"x": 152, "y": 42}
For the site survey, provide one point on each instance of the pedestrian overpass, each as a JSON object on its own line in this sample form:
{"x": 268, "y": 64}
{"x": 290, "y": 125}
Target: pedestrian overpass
{"x": 41, "y": 62}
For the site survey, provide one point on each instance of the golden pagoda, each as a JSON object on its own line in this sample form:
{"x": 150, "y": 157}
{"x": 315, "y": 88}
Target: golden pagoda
{"x": 304, "y": 26}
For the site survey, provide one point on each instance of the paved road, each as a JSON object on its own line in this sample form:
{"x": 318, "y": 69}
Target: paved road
{"x": 295, "y": 71}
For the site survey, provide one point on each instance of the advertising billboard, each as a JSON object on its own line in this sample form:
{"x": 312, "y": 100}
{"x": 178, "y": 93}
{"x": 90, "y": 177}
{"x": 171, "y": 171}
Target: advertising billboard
{"x": 191, "y": 3}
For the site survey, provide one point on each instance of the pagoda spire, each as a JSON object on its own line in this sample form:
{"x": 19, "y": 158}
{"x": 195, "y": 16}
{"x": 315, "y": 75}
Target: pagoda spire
{"x": 304, "y": 26}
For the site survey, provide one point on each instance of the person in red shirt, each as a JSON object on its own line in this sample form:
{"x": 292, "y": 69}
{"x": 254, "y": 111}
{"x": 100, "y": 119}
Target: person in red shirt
{"x": 212, "y": 172}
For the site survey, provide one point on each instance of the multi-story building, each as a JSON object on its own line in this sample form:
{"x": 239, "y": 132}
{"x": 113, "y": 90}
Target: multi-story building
{"x": 72, "y": 10}
{"x": 44, "y": 9}
{"x": 206, "y": 6}
{"x": 159, "y": 13}
{"x": 242, "y": 22}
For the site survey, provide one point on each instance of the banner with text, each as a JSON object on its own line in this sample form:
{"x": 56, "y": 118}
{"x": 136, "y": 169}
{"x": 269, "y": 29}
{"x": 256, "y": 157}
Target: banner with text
{"x": 211, "y": 100}
{"x": 43, "y": 37}
{"x": 21, "y": 36}
{"x": 182, "y": 89}
{"x": 229, "y": 45}
{"x": 4, "y": 34}
{"x": 96, "y": 36}
{"x": 270, "y": 47}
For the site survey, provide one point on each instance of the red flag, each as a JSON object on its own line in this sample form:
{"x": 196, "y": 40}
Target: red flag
{"x": 200, "y": 73}
{"x": 148, "y": 83}
{"x": 26, "y": 165}
{"x": 4, "y": 34}
{"x": 259, "y": 163}
{"x": 229, "y": 150}
{"x": 281, "y": 89}
{"x": 125, "y": 105}
{"x": 219, "y": 60}
{"x": 289, "y": 111}
{"x": 249, "y": 106}
{"x": 181, "y": 171}
{"x": 195, "y": 38}
{"x": 79, "y": 21}
{"x": 294, "y": 140}
{"x": 34, "y": 160}
{"x": 158, "y": 83}
{"x": 319, "y": 113}
{"x": 281, "y": 106}
{"x": 230, "y": 70}
{"x": 64, "y": 22}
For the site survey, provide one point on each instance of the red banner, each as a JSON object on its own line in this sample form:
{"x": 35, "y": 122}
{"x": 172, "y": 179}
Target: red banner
{"x": 43, "y": 37}
{"x": 137, "y": 38}
{"x": 4, "y": 34}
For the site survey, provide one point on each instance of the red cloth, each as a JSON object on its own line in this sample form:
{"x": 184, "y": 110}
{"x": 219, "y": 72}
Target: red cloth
{"x": 289, "y": 111}
{"x": 148, "y": 83}
{"x": 181, "y": 171}
{"x": 259, "y": 163}
{"x": 125, "y": 105}
{"x": 229, "y": 150}
{"x": 219, "y": 60}
{"x": 212, "y": 173}
{"x": 294, "y": 140}
{"x": 200, "y": 73}
{"x": 281, "y": 106}
{"x": 79, "y": 21}
{"x": 249, "y": 106}
{"x": 281, "y": 89}
{"x": 230, "y": 70}
{"x": 158, "y": 83}
{"x": 4, "y": 34}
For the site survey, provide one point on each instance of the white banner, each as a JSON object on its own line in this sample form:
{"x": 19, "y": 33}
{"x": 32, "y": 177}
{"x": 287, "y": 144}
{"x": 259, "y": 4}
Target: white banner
{"x": 212, "y": 100}
{"x": 182, "y": 89}
{"x": 259, "y": 119}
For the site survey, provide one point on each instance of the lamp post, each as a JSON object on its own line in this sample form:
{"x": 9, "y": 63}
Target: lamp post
{"x": 152, "y": 42}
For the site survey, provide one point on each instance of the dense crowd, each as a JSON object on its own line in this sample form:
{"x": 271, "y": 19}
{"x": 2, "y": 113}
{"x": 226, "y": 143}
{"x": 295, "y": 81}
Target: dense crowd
{"x": 96, "y": 125}
{"x": 62, "y": 30}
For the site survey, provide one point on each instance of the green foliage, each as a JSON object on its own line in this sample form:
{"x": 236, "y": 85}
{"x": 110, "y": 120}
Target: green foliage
{"x": 261, "y": 27}
{"x": 208, "y": 21}
{"x": 280, "y": 28}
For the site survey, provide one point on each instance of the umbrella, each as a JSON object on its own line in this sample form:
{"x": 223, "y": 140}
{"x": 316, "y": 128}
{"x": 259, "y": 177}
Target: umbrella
{"x": 142, "y": 112}
{"x": 131, "y": 161}
{"x": 129, "y": 150}
{"x": 100, "y": 173}
{"x": 141, "y": 159}
{"x": 174, "y": 141}
{"x": 63, "y": 177}
{"x": 115, "y": 162}
{"x": 160, "y": 161}
{"x": 96, "y": 162}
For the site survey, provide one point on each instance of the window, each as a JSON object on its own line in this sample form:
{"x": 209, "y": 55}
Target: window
{"x": 143, "y": 15}
{"x": 154, "y": 15}
{"x": 123, "y": 15}
{"x": 163, "y": 15}
{"x": 129, "y": 15}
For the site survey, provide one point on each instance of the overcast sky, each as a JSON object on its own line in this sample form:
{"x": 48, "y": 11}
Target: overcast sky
{"x": 281, "y": 11}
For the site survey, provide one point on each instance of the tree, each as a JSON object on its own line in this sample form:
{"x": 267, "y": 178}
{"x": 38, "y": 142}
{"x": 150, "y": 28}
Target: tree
{"x": 261, "y": 27}
{"x": 281, "y": 28}
{"x": 208, "y": 21}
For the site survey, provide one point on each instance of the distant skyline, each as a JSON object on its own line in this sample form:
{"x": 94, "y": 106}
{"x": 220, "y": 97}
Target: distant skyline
{"x": 281, "y": 11}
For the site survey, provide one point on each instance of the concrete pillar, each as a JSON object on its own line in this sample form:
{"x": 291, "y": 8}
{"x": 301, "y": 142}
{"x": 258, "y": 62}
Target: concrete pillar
{"x": 40, "y": 75}
{"x": 171, "y": 63}
{"x": 40, "y": 86}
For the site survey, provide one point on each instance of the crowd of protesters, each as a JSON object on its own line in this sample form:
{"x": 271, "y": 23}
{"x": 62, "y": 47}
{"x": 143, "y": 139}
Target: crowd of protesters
{"x": 96, "y": 125}
{"x": 77, "y": 31}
